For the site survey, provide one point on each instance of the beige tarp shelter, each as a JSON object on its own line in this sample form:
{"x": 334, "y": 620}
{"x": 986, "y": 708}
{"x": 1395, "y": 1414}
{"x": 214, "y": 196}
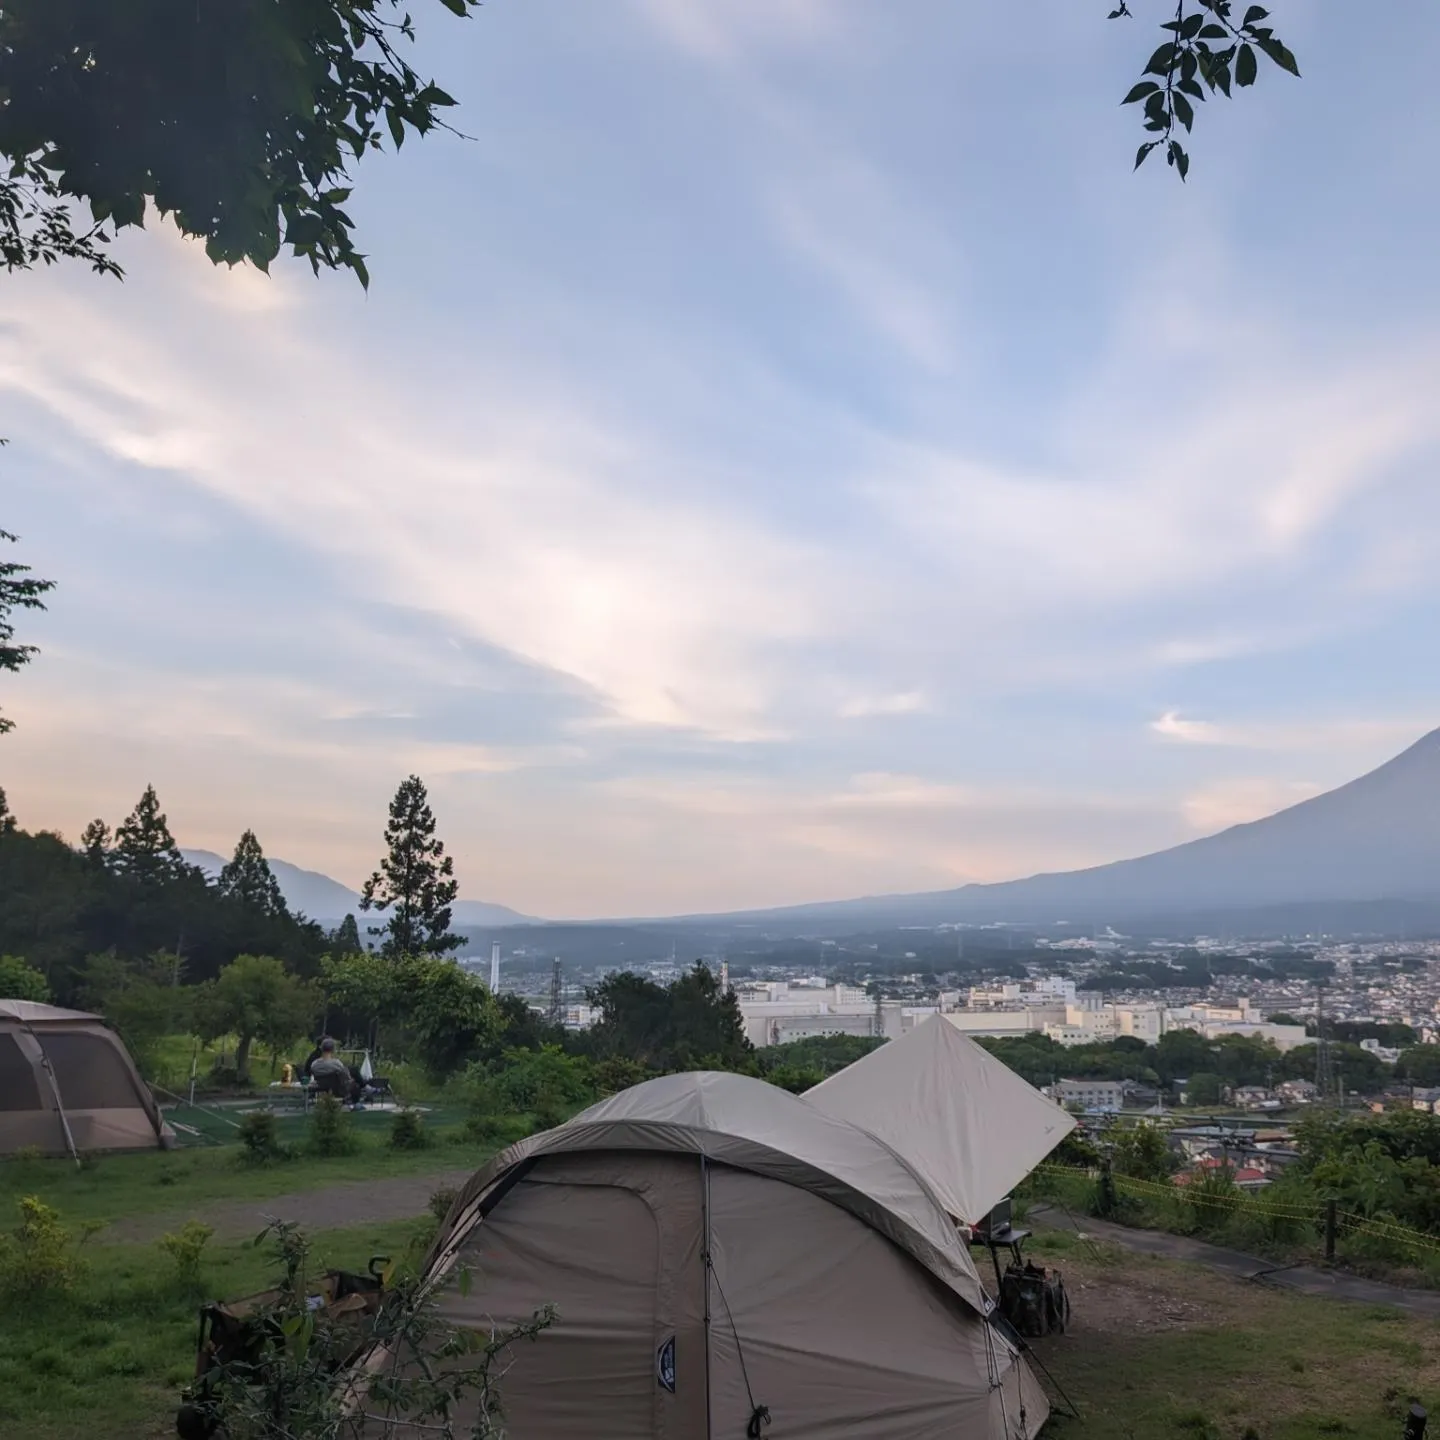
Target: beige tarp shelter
{"x": 968, "y": 1124}
{"x": 714, "y": 1245}
{"x": 68, "y": 1085}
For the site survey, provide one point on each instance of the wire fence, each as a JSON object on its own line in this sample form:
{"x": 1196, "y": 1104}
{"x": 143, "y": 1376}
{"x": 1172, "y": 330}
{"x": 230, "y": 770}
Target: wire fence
{"x": 1214, "y": 1207}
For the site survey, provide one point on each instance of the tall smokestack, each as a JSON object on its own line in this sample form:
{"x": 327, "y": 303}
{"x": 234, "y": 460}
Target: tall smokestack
{"x": 495, "y": 968}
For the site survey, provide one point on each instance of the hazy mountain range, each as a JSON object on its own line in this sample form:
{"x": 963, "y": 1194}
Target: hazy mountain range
{"x": 310, "y": 893}
{"x": 1369, "y": 850}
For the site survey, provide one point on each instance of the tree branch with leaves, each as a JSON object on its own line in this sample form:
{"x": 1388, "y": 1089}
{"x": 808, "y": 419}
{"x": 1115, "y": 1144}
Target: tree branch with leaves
{"x": 1206, "y": 52}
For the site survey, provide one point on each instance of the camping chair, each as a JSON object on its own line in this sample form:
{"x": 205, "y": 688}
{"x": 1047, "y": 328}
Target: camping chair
{"x": 340, "y": 1085}
{"x": 233, "y": 1334}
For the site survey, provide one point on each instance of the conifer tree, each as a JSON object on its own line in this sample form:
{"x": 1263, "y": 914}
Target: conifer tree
{"x": 7, "y": 819}
{"x": 145, "y": 851}
{"x": 346, "y": 939}
{"x": 415, "y": 879}
{"x": 95, "y": 841}
{"x": 248, "y": 878}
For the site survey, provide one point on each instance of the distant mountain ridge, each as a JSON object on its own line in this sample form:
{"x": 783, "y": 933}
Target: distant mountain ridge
{"x": 1376, "y": 838}
{"x": 321, "y": 898}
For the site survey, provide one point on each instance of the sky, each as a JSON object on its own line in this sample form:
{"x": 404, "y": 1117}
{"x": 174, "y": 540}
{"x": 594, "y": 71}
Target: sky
{"x": 784, "y": 454}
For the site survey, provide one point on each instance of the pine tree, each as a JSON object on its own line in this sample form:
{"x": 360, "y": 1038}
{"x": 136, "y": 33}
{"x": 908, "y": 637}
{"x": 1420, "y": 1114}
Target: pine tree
{"x": 18, "y": 591}
{"x": 248, "y": 878}
{"x": 145, "y": 851}
{"x": 7, "y": 819}
{"x": 346, "y": 939}
{"x": 95, "y": 841}
{"x": 416, "y": 878}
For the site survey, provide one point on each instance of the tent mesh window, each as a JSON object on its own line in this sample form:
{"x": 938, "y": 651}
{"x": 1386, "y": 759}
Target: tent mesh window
{"x": 90, "y": 1073}
{"x": 19, "y": 1089}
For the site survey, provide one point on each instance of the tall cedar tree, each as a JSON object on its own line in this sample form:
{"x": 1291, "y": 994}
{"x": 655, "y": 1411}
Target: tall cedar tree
{"x": 416, "y": 878}
{"x": 145, "y": 851}
{"x": 95, "y": 840}
{"x": 18, "y": 591}
{"x": 248, "y": 878}
{"x": 346, "y": 938}
{"x": 7, "y": 819}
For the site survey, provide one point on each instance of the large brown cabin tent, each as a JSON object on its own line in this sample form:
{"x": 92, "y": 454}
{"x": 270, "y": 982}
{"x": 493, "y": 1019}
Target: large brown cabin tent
{"x": 68, "y": 1085}
{"x": 964, "y": 1120}
{"x": 712, "y": 1245}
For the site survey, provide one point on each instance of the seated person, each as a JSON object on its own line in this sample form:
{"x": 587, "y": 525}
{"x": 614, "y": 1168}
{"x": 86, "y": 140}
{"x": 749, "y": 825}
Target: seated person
{"x": 331, "y": 1074}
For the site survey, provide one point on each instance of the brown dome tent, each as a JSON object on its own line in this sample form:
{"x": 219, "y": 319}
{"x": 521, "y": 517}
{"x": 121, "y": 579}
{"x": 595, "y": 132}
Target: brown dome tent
{"x": 68, "y": 1085}
{"x": 715, "y": 1248}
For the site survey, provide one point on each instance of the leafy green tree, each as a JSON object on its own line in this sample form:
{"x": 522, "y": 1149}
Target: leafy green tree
{"x": 142, "y": 998}
{"x": 239, "y": 121}
{"x": 1419, "y": 1065}
{"x": 247, "y": 879}
{"x": 451, "y": 1016}
{"x": 416, "y": 879}
{"x": 346, "y": 939}
{"x": 1181, "y": 1054}
{"x": 19, "y": 589}
{"x": 1206, "y": 1088}
{"x": 8, "y": 824}
{"x": 685, "y": 1024}
{"x": 255, "y": 998}
{"x": 145, "y": 851}
{"x": 1143, "y": 1152}
{"x": 20, "y": 981}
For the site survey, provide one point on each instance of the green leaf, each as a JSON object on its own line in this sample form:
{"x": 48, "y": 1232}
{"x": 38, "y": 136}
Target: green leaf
{"x": 1254, "y": 15}
{"x": 1245, "y": 66}
{"x": 456, "y": 7}
{"x": 1161, "y": 61}
{"x": 1191, "y": 88}
{"x": 1190, "y": 27}
{"x": 1214, "y": 32}
{"x": 1143, "y": 151}
{"x": 1184, "y": 111}
{"x": 1140, "y": 91}
{"x": 1279, "y": 54}
{"x": 464, "y": 1282}
{"x": 1178, "y": 158}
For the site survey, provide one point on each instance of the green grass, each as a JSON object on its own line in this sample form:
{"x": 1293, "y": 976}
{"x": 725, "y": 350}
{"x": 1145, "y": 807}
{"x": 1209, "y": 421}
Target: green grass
{"x": 1159, "y": 1350}
{"x": 112, "y": 1358}
{"x": 112, "y": 1187}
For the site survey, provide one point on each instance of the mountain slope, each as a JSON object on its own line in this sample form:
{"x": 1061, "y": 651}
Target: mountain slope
{"x": 321, "y": 898}
{"x": 1375, "y": 838}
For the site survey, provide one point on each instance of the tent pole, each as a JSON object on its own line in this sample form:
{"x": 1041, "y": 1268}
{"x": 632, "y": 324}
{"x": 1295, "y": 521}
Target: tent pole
{"x": 705, "y": 1266}
{"x": 49, "y": 1070}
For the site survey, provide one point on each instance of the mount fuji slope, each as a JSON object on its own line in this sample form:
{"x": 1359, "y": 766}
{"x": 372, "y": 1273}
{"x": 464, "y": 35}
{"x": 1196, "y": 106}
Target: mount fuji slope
{"x": 1376, "y": 838}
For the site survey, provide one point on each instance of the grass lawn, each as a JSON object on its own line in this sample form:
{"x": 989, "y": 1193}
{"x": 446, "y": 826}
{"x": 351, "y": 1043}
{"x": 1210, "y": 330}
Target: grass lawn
{"x": 1159, "y": 1349}
{"x": 113, "y": 1187}
{"x": 111, "y": 1359}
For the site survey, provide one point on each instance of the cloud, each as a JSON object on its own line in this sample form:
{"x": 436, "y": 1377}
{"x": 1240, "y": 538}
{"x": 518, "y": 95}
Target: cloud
{"x": 721, "y": 33}
{"x": 1324, "y": 736}
{"x": 1236, "y": 802}
{"x": 903, "y": 702}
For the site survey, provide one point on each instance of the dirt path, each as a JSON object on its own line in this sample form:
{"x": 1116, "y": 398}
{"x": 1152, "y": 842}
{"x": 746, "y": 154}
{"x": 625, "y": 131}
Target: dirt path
{"x": 356, "y": 1202}
{"x": 1304, "y": 1279}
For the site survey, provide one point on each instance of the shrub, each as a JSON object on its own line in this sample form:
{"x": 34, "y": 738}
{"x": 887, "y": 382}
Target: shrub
{"x": 261, "y": 1138}
{"x": 186, "y": 1247}
{"x": 441, "y": 1200}
{"x": 39, "y": 1256}
{"x": 408, "y": 1132}
{"x": 330, "y": 1128}
{"x": 550, "y": 1110}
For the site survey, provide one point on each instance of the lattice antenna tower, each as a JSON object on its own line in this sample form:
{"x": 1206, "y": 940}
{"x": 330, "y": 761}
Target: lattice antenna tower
{"x": 557, "y": 993}
{"x": 1324, "y": 1075}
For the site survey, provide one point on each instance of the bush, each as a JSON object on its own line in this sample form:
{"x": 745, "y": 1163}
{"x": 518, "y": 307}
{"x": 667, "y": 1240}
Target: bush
{"x": 40, "y": 1255}
{"x": 441, "y": 1200}
{"x": 408, "y": 1132}
{"x": 261, "y": 1138}
{"x": 330, "y": 1128}
{"x": 186, "y": 1247}
{"x": 550, "y": 1110}
{"x": 525, "y": 1078}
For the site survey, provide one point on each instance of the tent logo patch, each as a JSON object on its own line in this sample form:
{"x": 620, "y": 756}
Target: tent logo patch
{"x": 665, "y": 1365}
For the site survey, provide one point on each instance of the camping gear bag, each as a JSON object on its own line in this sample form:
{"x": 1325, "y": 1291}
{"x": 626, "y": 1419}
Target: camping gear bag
{"x": 1034, "y": 1301}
